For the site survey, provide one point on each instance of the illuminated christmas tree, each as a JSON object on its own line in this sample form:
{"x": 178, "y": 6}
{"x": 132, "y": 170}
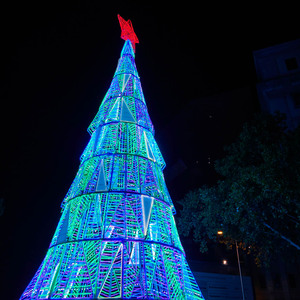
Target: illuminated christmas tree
{"x": 117, "y": 236}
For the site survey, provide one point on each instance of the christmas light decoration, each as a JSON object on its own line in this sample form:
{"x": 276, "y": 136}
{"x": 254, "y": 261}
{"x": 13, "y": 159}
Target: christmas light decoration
{"x": 117, "y": 237}
{"x": 128, "y": 32}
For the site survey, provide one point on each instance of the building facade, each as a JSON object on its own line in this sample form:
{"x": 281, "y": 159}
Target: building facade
{"x": 278, "y": 74}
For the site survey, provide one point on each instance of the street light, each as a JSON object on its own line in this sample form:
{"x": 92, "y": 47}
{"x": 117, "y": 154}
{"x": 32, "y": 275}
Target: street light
{"x": 225, "y": 262}
{"x": 220, "y": 232}
{"x": 241, "y": 278}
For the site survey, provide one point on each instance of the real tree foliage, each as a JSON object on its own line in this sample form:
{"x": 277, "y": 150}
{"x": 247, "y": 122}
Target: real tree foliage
{"x": 257, "y": 200}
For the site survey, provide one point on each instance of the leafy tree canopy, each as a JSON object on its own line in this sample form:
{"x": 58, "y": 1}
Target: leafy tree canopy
{"x": 257, "y": 200}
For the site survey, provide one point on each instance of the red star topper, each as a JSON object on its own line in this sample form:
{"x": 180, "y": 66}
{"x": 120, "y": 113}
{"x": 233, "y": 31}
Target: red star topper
{"x": 128, "y": 32}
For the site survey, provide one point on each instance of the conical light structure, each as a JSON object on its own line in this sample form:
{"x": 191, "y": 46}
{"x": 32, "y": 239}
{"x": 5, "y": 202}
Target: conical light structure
{"x": 117, "y": 237}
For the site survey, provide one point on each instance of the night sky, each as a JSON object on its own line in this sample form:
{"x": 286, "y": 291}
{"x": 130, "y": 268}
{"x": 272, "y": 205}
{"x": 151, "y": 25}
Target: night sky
{"x": 59, "y": 60}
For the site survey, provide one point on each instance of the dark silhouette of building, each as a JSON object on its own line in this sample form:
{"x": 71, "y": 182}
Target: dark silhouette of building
{"x": 278, "y": 89}
{"x": 278, "y": 75}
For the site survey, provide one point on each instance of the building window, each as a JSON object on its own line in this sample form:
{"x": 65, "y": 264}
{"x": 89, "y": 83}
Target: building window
{"x": 291, "y": 63}
{"x": 277, "y": 281}
{"x": 292, "y": 281}
{"x": 296, "y": 99}
{"x": 262, "y": 281}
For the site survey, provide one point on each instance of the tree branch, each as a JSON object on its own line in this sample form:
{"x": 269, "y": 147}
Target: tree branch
{"x": 282, "y": 236}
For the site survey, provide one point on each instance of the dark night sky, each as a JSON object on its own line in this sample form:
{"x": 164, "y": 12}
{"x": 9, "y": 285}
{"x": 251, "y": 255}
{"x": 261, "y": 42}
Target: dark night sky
{"x": 59, "y": 60}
